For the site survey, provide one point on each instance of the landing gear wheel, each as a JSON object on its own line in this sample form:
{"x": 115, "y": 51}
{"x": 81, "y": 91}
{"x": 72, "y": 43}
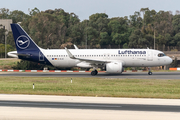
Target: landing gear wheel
{"x": 93, "y": 73}
{"x": 96, "y": 72}
{"x": 149, "y": 73}
{"x": 149, "y": 69}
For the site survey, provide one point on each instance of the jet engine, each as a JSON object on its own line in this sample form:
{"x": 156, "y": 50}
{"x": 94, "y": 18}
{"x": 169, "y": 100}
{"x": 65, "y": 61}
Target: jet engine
{"x": 114, "y": 67}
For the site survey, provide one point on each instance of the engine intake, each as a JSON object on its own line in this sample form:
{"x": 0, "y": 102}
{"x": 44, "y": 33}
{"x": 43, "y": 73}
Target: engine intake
{"x": 114, "y": 67}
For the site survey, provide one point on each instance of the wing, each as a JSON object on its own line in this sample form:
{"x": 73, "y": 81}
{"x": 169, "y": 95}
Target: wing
{"x": 92, "y": 61}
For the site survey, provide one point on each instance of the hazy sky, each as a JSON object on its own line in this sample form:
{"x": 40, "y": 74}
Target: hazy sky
{"x": 85, "y": 8}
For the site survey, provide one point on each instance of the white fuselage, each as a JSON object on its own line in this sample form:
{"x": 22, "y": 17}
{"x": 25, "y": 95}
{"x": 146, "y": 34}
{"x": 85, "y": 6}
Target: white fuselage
{"x": 129, "y": 57}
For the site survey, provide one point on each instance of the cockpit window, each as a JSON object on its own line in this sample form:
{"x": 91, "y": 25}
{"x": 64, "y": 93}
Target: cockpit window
{"x": 161, "y": 55}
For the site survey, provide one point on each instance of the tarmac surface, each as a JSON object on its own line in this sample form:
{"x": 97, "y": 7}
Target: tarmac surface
{"x": 43, "y": 107}
{"x": 133, "y": 75}
{"x": 91, "y": 106}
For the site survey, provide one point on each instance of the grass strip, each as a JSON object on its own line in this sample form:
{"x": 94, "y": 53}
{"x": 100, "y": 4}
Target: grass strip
{"x": 137, "y": 88}
{"x": 8, "y": 63}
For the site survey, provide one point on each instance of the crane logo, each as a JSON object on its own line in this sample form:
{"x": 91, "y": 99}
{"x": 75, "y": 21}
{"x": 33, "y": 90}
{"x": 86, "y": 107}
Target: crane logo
{"x": 22, "y": 42}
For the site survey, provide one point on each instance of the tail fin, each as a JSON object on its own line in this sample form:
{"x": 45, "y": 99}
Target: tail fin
{"x": 26, "y": 47}
{"x": 22, "y": 40}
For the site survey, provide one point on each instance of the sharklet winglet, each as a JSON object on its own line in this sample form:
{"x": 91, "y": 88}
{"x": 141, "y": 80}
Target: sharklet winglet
{"x": 76, "y": 47}
{"x": 70, "y": 54}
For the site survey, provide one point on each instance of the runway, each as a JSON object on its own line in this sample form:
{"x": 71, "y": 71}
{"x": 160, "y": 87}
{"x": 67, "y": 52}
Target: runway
{"x": 44, "y": 107}
{"x": 91, "y": 106}
{"x": 132, "y": 75}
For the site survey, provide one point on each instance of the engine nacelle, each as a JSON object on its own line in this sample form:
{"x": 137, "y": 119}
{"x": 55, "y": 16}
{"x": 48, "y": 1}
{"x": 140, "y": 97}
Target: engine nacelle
{"x": 114, "y": 67}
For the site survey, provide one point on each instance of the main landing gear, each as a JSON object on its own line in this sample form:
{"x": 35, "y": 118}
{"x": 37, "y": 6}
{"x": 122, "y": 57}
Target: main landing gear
{"x": 149, "y": 69}
{"x": 95, "y": 72}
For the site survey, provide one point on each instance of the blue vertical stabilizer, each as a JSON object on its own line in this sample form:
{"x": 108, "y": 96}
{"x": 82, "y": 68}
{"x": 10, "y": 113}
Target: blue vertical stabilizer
{"x": 22, "y": 40}
{"x": 26, "y": 47}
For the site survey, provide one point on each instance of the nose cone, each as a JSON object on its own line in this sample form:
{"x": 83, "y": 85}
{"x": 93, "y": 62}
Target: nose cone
{"x": 169, "y": 61}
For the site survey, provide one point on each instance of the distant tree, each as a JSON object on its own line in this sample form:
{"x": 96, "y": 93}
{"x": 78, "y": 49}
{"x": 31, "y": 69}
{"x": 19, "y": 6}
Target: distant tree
{"x": 135, "y": 20}
{"x": 4, "y": 13}
{"x": 176, "y": 23}
{"x": 144, "y": 10}
{"x": 2, "y": 49}
{"x": 34, "y": 11}
{"x": 2, "y": 34}
{"x": 18, "y": 16}
{"x": 119, "y": 30}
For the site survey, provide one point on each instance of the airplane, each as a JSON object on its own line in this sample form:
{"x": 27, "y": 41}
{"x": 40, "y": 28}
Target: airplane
{"x": 112, "y": 61}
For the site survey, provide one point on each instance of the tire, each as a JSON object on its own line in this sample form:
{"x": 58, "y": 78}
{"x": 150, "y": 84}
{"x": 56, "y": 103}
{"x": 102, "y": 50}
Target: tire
{"x": 96, "y": 72}
{"x": 93, "y": 73}
{"x": 149, "y": 73}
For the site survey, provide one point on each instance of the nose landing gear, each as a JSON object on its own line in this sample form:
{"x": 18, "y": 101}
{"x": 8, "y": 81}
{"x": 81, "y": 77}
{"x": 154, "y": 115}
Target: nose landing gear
{"x": 150, "y": 73}
{"x": 149, "y": 69}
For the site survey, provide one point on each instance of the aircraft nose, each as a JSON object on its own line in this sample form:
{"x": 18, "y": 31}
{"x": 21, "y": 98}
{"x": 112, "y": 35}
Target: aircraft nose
{"x": 170, "y": 60}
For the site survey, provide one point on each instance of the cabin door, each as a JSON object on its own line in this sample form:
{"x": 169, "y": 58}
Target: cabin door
{"x": 41, "y": 56}
{"x": 149, "y": 55}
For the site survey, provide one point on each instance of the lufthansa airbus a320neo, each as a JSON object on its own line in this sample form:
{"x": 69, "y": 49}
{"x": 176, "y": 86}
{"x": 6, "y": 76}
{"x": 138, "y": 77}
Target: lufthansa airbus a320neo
{"x": 111, "y": 60}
